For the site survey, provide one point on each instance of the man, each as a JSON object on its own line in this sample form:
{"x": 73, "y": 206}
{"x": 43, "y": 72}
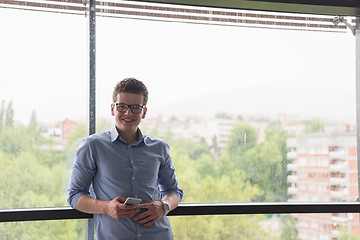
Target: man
{"x": 123, "y": 163}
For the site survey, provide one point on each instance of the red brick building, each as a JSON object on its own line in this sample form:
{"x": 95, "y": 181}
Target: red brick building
{"x": 324, "y": 169}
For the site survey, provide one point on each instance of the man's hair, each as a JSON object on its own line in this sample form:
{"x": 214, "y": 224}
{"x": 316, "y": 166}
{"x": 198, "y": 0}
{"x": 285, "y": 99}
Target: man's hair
{"x": 131, "y": 85}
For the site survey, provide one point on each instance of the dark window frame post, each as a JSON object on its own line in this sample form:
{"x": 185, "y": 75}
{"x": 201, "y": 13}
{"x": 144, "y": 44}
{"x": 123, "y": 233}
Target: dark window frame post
{"x": 92, "y": 89}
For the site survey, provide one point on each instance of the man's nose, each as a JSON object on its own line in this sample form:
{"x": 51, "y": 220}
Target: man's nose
{"x": 128, "y": 111}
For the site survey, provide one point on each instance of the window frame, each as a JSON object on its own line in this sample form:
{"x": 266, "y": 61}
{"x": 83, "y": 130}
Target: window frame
{"x": 187, "y": 209}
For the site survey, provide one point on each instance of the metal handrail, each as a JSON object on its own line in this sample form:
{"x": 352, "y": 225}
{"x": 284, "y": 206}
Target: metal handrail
{"x": 62, "y": 213}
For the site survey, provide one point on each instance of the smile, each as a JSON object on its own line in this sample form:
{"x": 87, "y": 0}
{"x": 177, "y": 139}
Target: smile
{"x": 128, "y": 120}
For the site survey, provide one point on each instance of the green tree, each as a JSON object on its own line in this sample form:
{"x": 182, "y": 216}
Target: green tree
{"x": 202, "y": 181}
{"x": 36, "y": 174}
{"x": 9, "y": 116}
{"x": 242, "y": 138}
{"x": 75, "y": 137}
{"x": 345, "y": 234}
{"x": 275, "y": 137}
{"x": 289, "y": 231}
{"x": 32, "y": 176}
{"x": 15, "y": 141}
{"x": 193, "y": 149}
{"x": 314, "y": 126}
{"x": 263, "y": 167}
{"x": 264, "y": 163}
{"x": 33, "y": 119}
{"x": 2, "y": 114}
{"x": 223, "y": 115}
{"x": 240, "y": 227}
{"x": 214, "y": 148}
{"x": 240, "y": 118}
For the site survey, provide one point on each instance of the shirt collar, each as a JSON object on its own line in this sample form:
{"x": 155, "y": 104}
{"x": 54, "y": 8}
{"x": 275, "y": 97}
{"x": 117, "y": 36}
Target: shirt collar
{"x": 115, "y": 135}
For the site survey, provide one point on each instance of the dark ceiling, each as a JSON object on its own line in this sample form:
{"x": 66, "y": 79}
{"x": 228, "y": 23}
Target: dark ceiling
{"x": 328, "y": 7}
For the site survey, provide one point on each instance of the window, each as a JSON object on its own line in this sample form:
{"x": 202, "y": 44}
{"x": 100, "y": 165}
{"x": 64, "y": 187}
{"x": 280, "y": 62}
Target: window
{"x": 44, "y": 104}
{"x": 43, "y": 112}
{"x": 227, "y": 101}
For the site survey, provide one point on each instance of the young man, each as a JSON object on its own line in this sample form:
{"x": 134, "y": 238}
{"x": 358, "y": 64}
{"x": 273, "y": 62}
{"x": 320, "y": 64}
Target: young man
{"x": 123, "y": 163}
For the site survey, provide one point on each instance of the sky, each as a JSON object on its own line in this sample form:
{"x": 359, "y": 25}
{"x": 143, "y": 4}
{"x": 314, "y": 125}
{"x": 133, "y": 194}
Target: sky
{"x": 189, "y": 69}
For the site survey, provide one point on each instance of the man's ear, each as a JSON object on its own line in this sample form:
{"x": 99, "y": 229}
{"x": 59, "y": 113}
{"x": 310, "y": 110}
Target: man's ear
{"x": 112, "y": 109}
{"x": 144, "y": 113}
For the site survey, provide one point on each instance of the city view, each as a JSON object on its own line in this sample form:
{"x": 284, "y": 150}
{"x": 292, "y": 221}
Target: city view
{"x": 310, "y": 160}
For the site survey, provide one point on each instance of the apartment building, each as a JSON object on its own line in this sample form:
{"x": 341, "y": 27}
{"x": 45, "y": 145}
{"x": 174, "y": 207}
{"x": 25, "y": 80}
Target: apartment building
{"x": 323, "y": 168}
{"x": 59, "y": 131}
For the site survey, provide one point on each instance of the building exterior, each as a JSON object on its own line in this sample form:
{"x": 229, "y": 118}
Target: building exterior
{"x": 214, "y": 131}
{"x": 323, "y": 168}
{"x": 60, "y": 131}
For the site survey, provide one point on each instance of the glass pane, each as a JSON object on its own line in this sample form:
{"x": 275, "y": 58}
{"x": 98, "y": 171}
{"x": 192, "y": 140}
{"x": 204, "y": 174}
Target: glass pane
{"x": 42, "y": 230}
{"x": 274, "y": 227}
{"x": 43, "y": 104}
{"x": 252, "y": 113}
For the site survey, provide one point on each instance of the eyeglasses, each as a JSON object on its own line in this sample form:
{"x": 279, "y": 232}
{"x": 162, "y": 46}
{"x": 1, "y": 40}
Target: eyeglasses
{"x": 135, "y": 108}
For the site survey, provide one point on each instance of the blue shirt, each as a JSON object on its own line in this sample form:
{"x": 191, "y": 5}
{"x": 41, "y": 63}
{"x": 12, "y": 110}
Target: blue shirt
{"x": 113, "y": 167}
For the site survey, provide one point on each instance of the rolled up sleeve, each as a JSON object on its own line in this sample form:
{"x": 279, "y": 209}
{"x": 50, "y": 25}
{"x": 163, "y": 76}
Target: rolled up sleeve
{"x": 167, "y": 178}
{"x": 83, "y": 171}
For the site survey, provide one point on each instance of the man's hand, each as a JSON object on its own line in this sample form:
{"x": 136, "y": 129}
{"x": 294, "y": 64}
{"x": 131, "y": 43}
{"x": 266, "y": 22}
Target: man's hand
{"x": 154, "y": 212}
{"x": 118, "y": 210}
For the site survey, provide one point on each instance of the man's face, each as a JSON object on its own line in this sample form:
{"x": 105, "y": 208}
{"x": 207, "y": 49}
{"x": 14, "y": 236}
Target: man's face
{"x": 128, "y": 122}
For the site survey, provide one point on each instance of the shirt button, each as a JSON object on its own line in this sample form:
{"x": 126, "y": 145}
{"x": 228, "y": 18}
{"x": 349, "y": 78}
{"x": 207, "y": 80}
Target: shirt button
{"x": 133, "y": 178}
{"x": 139, "y": 235}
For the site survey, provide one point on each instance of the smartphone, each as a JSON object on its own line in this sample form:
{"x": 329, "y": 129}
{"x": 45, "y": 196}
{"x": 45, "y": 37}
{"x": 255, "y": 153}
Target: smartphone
{"x": 133, "y": 201}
